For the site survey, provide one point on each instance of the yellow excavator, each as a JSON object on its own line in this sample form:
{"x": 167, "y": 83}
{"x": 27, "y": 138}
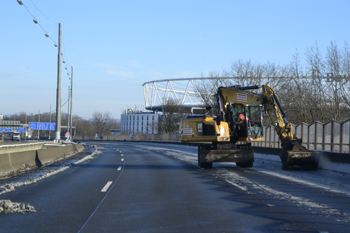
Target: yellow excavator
{"x": 240, "y": 122}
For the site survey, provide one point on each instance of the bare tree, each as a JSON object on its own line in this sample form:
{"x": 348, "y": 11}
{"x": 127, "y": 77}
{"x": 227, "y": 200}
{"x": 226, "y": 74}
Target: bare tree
{"x": 170, "y": 121}
{"x": 346, "y": 73}
{"x": 84, "y": 127}
{"x": 101, "y": 122}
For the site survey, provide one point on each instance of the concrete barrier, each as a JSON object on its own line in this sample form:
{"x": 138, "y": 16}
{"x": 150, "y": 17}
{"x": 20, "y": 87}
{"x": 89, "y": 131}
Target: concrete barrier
{"x": 14, "y": 148}
{"x": 51, "y": 153}
{"x": 17, "y": 161}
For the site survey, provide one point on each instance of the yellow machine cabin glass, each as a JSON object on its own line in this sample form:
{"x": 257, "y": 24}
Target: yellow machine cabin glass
{"x": 245, "y": 121}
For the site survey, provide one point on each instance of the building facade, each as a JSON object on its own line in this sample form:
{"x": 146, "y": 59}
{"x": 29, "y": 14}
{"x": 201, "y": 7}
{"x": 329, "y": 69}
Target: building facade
{"x": 10, "y": 126}
{"x": 139, "y": 122}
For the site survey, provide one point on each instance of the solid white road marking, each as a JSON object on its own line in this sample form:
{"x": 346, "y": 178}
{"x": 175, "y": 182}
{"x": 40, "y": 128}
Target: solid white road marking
{"x": 105, "y": 188}
{"x": 119, "y": 168}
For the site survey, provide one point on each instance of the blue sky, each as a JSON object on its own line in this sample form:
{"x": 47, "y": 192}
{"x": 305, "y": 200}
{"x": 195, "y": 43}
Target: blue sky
{"x": 116, "y": 46}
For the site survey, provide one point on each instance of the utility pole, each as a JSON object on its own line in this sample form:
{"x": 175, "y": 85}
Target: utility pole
{"x": 71, "y": 105}
{"x": 25, "y": 129}
{"x": 39, "y": 126}
{"x": 50, "y": 124}
{"x": 68, "y": 113}
{"x": 58, "y": 98}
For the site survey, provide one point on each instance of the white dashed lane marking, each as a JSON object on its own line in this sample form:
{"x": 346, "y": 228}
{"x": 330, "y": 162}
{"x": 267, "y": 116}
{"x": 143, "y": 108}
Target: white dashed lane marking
{"x": 119, "y": 168}
{"x": 105, "y": 188}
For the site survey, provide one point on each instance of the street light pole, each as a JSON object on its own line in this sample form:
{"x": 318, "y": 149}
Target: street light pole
{"x": 68, "y": 118}
{"x": 50, "y": 125}
{"x": 58, "y": 98}
{"x": 39, "y": 126}
{"x": 71, "y": 105}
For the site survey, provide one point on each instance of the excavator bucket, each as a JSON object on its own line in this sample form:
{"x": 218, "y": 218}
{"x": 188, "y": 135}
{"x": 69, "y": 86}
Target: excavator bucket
{"x": 294, "y": 153}
{"x": 308, "y": 160}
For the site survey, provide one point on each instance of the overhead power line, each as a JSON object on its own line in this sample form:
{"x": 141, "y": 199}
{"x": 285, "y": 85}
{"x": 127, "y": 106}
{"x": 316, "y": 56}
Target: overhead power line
{"x": 43, "y": 13}
{"x": 35, "y": 20}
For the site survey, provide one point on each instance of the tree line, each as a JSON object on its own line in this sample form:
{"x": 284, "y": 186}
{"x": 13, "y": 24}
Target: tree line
{"x": 100, "y": 123}
{"x": 316, "y": 90}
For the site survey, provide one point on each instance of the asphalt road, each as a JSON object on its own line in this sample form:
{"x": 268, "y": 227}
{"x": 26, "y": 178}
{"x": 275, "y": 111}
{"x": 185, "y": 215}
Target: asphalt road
{"x": 152, "y": 191}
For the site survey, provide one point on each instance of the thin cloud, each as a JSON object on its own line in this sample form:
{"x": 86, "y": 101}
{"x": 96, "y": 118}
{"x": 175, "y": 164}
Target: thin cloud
{"x": 135, "y": 64}
{"x": 108, "y": 66}
{"x": 121, "y": 73}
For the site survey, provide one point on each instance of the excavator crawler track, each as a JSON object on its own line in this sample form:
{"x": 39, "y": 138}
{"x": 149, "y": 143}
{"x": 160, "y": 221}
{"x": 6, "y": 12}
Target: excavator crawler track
{"x": 243, "y": 155}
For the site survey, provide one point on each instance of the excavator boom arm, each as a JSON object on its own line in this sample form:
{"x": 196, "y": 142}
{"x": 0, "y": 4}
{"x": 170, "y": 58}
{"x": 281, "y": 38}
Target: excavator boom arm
{"x": 293, "y": 152}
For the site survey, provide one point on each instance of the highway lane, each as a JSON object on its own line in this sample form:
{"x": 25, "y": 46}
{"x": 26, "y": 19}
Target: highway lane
{"x": 158, "y": 188}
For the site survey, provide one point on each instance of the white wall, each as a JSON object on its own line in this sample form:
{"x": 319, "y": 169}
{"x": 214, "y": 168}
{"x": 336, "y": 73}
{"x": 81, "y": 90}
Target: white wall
{"x": 139, "y": 122}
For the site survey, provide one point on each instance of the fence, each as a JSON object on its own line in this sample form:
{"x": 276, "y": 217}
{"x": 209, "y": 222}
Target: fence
{"x": 136, "y": 137}
{"x": 331, "y": 136}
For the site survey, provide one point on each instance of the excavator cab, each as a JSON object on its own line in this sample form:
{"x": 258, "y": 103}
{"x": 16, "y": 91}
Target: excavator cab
{"x": 245, "y": 121}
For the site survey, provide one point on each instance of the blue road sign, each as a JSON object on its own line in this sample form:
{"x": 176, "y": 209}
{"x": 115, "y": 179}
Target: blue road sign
{"x": 53, "y": 126}
{"x": 1, "y": 129}
{"x": 42, "y": 126}
{"x": 33, "y": 125}
{"x": 131, "y": 134}
{"x": 8, "y": 130}
{"x": 21, "y": 130}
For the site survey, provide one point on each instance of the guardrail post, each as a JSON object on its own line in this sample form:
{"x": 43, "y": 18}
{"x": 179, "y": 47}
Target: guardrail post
{"x": 302, "y": 132}
{"x": 315, "y": 141}
{"x": 308, "y": 137}
{"x": 332, "y": 135}
{"x": 274, "y": 139}
{"x": 270, "y": 138}
{"x": 323, "y": 136}
{"x": 341, "y": 138}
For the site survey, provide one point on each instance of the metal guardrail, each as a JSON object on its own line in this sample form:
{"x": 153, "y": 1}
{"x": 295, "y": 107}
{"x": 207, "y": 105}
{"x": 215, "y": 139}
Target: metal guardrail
{"x": 332, "y": 136}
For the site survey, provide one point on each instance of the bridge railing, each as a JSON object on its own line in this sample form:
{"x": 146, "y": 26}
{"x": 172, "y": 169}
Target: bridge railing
{"x": 136, "y": 137}
{"x": 331, "y": 136}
